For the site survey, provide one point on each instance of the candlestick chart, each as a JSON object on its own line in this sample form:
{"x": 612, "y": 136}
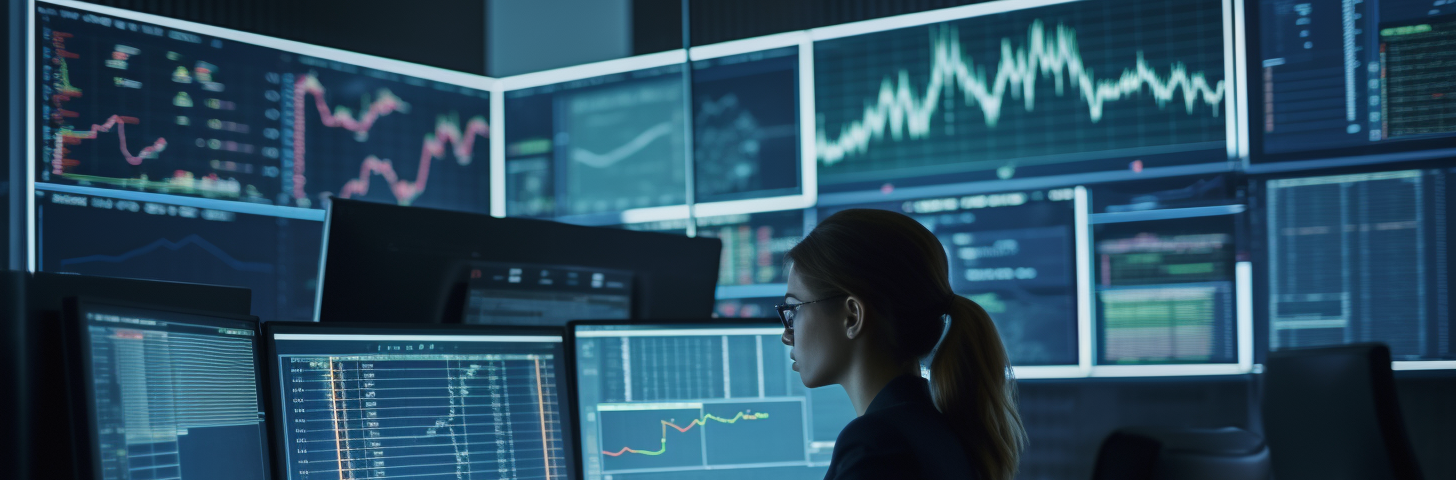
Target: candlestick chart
{"x": 1055, "y": 85}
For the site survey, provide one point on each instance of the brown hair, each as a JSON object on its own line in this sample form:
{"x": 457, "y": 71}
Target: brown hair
{"x": 899, "y": 270}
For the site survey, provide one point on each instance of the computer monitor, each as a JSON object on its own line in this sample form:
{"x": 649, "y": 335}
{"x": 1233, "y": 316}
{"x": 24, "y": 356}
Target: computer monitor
{"x": 1368, "y": 79}
{"x": 597, "y": 140}
{"x": 44, "y": 420}
{"x": 385, "y": 263}
{"x": 408, "y": 401}
{"x": 160, "y": 393}
{"x": 706, "y": 399}
{"x": 1360, "y": 257}
{"x": 545, "y": 295}
{"x": 1165, "y": 290}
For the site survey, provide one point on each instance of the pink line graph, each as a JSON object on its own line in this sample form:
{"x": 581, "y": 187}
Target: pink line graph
{"x": 447, "y": 132}
{"x": 386, "y": 104}
{"x": 70, "y": 137}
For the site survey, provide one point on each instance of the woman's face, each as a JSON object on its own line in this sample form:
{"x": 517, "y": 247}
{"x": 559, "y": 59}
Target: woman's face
{"x": 819, "y": 340}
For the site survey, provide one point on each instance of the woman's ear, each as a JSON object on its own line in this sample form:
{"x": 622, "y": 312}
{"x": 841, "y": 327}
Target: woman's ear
{"x": 854, "y": 319}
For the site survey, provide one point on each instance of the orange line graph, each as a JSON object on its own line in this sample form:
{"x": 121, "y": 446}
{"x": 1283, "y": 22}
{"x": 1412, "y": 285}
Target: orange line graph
{"x": 695, "y": 422}
{"x": 541, "y": 402}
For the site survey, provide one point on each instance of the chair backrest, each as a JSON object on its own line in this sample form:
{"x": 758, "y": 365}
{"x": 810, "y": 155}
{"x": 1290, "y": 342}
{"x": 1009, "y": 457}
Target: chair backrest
{"x": 1177, "y": 453}
{"x": 1330, "y": 413}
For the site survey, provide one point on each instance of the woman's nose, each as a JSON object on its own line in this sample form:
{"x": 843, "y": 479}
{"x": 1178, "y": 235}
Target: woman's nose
{"x": 787, "y": 337}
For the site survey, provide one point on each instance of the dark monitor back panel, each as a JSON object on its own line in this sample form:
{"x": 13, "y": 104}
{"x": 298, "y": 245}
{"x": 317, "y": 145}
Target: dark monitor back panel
{"x": 391, "y": 264}
{"x": 418, "y": 401}
{"x": 41, "y": 362}
{"x": 159, "y": 393}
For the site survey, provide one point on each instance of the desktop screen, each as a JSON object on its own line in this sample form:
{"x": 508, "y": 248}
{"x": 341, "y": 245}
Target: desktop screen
{"x": 385, "y": 402}
{"x": 171, "y": 395}
{"x": 545, "y": 295}
{"x": 1165, "y": 291}
{"x": 706, "y": 401}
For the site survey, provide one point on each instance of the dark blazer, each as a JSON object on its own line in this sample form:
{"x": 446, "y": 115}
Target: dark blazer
{"x": 901, "y": 436}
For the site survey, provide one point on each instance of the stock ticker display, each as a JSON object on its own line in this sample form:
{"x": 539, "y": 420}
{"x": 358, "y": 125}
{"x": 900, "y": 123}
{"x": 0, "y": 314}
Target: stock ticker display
{"x": 711, "y": 401}
{"x": 1015, "y": 254}
{"x": 746, "y": 125}
{"x": 383, "y": 405}
{"x": 597, "y": 145}
{"x": 1357, "y": 74}
{"x": 174, "y": 396}
{"x": 1073, "y": 88}
{"x": 1165, "y": 291}
{"x": 277, "y": 258}
{"x": 1361, "y": 258}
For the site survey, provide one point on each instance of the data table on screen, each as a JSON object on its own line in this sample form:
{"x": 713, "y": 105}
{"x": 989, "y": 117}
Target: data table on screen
{"x": 1341, "y": 79}
{"x": 173, "y": 395}
{"x": 1165, "y": 291}
{"x": 1361, "y": 258}
{"x": 385, "y": 406}
{"x": 1079, "y": 87}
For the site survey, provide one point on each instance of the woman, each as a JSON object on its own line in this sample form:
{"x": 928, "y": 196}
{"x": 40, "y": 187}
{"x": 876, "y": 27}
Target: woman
{"x": 868, "y": 297}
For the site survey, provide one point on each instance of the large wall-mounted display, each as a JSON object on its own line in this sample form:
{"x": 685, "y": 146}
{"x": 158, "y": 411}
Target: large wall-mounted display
{"x": 1080, "y": 87}
{"x": 168, "y": 150}
{"x": 1087, "y": 164}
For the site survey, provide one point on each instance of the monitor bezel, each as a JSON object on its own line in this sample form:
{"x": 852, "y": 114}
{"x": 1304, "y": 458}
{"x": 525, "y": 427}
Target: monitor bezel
{"x": 1259, "y": 161}
{"x": 569, "y": 342}
{"x": 81, "y": 399}
{"x": 274, "y": 395}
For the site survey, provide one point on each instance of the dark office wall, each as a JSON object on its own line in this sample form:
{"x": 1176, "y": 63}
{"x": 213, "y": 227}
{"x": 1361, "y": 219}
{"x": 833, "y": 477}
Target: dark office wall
{"x": 441, "y": 33}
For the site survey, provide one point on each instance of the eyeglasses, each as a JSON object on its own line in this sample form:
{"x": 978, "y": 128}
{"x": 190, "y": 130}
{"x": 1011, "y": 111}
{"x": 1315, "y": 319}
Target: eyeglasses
{"x": 787, "y": 313}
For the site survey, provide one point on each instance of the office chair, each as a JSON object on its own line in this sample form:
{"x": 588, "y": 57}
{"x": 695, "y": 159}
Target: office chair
{"x": 1330, "y": 413}
{"x": 1172, "y": 453}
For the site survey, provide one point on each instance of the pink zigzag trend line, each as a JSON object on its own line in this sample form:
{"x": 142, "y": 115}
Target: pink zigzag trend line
{"x": 118, "y": 121}
{"x": 405, "y": 191}
{"x": 386, "y": 104}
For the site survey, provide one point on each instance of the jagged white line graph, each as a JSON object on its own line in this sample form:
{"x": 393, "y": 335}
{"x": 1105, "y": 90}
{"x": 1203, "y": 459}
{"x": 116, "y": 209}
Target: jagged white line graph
{"x": 899, "y": 110}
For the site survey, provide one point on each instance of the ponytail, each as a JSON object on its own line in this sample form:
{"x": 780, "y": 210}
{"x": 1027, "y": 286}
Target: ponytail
{"x": 971, "y": 382}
